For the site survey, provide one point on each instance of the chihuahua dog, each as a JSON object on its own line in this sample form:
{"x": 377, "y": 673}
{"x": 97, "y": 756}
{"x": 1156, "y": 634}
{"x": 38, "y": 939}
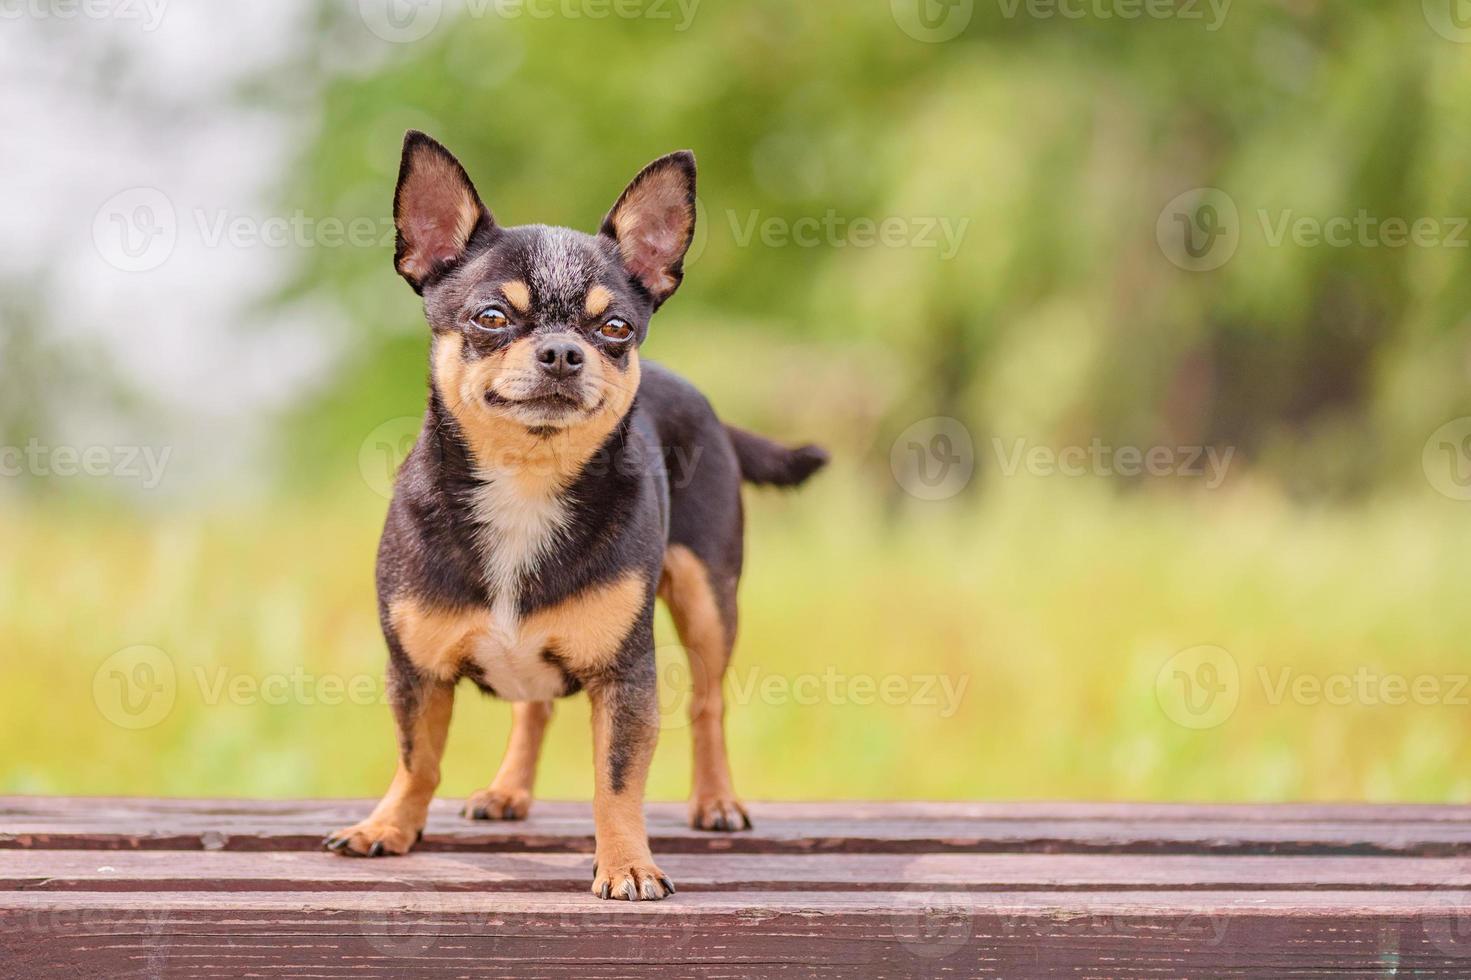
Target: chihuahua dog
{"x": 534, "y": 521}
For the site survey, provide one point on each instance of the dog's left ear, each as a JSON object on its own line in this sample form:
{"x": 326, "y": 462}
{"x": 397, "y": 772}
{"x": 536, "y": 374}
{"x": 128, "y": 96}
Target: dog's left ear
{"x": 653, "y": 224}
{"x": 436, "y": 211}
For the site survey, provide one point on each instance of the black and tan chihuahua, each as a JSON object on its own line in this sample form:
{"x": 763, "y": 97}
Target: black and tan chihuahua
{"x": 534, "y": 521}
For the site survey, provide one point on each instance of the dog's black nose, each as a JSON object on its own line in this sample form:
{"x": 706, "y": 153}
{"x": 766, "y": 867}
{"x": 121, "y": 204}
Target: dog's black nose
{"x": 559, "y": 357}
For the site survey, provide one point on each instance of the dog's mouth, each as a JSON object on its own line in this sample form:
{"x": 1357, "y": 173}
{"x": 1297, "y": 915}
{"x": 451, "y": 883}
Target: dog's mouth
{"x": 547, "y": 402}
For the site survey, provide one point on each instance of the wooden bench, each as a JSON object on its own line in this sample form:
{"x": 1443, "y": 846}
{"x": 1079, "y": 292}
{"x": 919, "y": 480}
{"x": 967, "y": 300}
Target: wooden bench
{"x": 199, "y": 888}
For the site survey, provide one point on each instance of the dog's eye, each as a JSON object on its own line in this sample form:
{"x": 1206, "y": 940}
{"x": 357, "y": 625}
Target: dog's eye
{"x": 491, "y": 318}
{"x": 616, "y": 329}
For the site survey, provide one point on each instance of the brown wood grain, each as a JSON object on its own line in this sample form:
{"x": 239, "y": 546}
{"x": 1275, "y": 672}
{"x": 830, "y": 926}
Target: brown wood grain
{"x": 154, "y": 871}
{"x": 880, "y": 934}
{"x": 219, "y": 888}
{"x": 112, "y": 823}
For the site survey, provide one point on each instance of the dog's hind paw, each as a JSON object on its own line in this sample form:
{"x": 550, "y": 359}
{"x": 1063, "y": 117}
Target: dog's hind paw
{"x": 493, "y": 804}
{"x": 724, "y": 814}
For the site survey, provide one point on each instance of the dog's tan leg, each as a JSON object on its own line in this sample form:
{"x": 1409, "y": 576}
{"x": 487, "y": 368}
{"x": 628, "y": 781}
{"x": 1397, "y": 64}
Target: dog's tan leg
{"x": 625, "y": 726}
{"x": 708, "y": 639}
{"x": 508, "y": 797}
{"x": 395, "y": 825}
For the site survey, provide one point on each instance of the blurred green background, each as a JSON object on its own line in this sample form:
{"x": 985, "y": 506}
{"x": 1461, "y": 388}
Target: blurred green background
{"x": 1069, "y": 230}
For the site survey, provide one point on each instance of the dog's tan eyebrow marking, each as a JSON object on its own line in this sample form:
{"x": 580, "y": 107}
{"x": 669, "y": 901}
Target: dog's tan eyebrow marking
{"x": 599, "y": 298}
{"x": 517, "y": 294}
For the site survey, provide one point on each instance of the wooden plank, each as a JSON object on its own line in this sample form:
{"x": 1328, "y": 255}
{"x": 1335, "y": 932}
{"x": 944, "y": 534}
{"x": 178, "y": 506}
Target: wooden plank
{"x": 819, "y": 890}
{"x": 127, "y": 824}
{"x": 152, "y": 871}
{"x": 63, "y": 807}
{"x": 808, "y": 934}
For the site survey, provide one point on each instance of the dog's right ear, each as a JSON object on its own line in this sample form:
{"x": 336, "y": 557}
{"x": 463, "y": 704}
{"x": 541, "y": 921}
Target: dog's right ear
{"x": 436, "y": 211}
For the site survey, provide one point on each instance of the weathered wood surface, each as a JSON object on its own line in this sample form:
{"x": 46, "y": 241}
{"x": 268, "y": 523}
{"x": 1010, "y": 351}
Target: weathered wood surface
{"x": 790, "y": 828}
{"x": 139, "y": 888}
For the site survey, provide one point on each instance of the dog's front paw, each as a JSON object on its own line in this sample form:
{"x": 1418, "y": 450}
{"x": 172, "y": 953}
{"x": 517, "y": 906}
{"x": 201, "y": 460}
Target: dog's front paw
{"x": 373, "y": 838}
{"x": 631, "y": 881}
{"x": 723, "y": 813}
{"x": 494, "y": 804}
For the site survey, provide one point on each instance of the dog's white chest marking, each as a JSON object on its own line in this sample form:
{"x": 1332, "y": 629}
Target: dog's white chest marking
{"x": 517, "y": 672}
{"x": 517, "y": 527}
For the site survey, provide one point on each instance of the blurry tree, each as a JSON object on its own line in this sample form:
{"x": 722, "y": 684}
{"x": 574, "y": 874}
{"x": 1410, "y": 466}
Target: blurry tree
{"x": 1048, "y": 148}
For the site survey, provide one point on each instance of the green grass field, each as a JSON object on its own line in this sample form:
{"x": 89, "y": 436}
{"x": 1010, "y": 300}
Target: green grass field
{"x": 1005, "y": 648}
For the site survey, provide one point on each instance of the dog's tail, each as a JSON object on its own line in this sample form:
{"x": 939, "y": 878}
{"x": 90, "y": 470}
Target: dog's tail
{"x": 770, "y": 464}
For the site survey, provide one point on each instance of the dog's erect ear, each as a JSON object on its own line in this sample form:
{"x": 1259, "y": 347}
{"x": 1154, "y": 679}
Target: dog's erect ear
{"x": 654, "y": 222}
{"x": 436, "y": 211}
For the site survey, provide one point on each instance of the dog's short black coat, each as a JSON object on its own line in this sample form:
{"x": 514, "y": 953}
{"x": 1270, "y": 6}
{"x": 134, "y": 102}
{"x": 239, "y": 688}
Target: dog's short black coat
{"x": 557, "y": 484}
